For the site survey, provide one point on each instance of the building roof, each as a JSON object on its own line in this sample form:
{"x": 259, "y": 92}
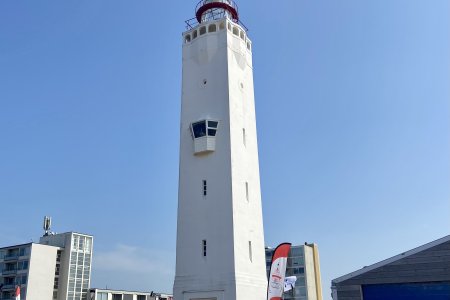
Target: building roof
{"x": 85, "y": 234}
{"x": 18, "y": 245}
{"x": 28, "y": 244}
{"x": 124, "y": 291}
{"x": 392, "y": 259}
{"x": 117, "y": 291}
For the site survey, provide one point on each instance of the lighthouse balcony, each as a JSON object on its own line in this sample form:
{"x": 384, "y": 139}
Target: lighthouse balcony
{"x": 196, "y": 31}
{"x": 204, "y": 135}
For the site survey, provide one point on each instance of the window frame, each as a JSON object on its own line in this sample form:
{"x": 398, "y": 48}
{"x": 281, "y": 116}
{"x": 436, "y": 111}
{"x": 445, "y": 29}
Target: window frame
{"x": 207, "y": 128}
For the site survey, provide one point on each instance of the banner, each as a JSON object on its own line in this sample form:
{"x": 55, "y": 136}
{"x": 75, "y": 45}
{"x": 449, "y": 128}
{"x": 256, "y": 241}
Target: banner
{"x": 277, "y": 273}
{"x": 289, "y": 283}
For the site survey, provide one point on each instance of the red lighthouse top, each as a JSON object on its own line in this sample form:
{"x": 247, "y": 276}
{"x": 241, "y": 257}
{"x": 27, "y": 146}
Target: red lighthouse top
{"x": 207, "y": 10}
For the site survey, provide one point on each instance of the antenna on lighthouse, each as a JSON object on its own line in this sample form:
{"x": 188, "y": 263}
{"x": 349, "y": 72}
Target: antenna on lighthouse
{"x": 47, "y": 225}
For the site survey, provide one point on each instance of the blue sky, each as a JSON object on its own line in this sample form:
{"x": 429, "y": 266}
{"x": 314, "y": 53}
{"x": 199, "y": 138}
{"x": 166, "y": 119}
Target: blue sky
{"x": 352, "y": 111}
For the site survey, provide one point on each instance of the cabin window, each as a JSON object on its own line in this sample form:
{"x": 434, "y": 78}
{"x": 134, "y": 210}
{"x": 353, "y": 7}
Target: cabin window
{"x": 212, "y": 28}
{"x": 204, "y": 128}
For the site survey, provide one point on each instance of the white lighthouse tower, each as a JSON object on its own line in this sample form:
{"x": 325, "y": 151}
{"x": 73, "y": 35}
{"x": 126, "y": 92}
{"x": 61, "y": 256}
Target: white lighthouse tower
{"x": 220, "y": 239}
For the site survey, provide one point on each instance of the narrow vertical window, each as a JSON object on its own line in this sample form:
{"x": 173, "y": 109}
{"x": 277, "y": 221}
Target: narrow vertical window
{"x": 246, "y": 191}
{"x": 244, "y": 137}
{"x": 204, "y": 248}
{"x": 205, "y": 188}
{"x": 250, "y": 255}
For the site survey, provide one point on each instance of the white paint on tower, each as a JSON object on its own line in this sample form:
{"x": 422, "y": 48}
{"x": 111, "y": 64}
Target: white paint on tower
{"x": 220, "y": 240}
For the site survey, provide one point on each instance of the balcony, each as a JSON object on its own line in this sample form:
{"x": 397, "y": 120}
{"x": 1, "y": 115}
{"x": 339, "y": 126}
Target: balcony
{"x": 8, "y": 287}
{"x": 11, "y": 257}
{"x": 8, "y": 272}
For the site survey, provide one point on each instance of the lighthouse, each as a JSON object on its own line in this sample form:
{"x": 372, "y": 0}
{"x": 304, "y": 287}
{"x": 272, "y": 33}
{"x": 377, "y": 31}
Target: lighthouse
{"x": 220, "y": 239}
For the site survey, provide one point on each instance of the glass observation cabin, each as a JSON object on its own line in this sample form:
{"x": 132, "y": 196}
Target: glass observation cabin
{"x": 208, "y": 10}
{"x": 211, "y": 10}
{"x": 204, "y": 135}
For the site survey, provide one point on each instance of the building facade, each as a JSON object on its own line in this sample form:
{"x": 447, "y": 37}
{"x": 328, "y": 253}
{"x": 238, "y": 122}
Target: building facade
{"x": 32, "y": 267}
{"x": 303, "y": 262}
{"x": 74, "y": 274}
{"x": 58, "y": 267}
{"x": 220, "y": 239}
{"x": 107, "y": 294}
{"x": 420, "y": 273}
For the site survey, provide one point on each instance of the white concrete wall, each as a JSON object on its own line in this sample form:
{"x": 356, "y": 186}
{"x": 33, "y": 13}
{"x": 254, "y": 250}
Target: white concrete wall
{"x": 310, "y": 273}
{"x": 224, "y": 217}
{"x": 250, "y": 274}
{"x": 65, "y": 267}
{"x": 41, "y": 274}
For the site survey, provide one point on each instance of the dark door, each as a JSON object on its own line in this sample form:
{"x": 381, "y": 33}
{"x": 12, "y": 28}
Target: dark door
{"x": 407, "y": 291}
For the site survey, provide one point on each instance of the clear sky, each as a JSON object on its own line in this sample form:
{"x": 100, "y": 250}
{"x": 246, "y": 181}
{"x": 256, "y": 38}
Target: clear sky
{"x": 353, "y": 115}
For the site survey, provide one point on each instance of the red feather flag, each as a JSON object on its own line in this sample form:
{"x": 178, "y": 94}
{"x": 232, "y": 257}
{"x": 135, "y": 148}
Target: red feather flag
{"x": 275, "y": 288}
{"x": 17, "y": 293}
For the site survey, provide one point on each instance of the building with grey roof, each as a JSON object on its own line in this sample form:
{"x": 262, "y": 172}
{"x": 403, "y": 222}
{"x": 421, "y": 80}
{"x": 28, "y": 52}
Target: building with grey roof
{"x": 420, "y": 273}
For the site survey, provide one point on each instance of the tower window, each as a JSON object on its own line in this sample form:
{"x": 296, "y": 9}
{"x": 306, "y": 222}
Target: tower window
{"x": 246, "y": 191}
{"x": 242, "y": 35}
{"x": 194, "y": 34}
{"x": 204, "y": 128}
{"x": 235, "y": 31}
{"x": 205, "y": 188}
{"x": 250, "y": 254}
{"x": 212, "y": 28}
{"x": 249, "y": 47}
{"x": 229, "y": 26}
{"x": 202, "y": 30}
{"x": 244, "y": 138}
{"x": 221, "y": 26}
{"x": 204, "y": 248}
{"x": 187, "y": 38}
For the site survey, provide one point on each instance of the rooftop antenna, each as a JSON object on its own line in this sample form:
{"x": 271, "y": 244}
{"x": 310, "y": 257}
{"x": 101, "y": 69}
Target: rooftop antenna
{"x": 47, "y": 225}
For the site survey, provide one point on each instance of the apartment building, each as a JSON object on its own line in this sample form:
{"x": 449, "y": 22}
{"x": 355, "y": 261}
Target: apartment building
{"x": 58, "y": 267}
